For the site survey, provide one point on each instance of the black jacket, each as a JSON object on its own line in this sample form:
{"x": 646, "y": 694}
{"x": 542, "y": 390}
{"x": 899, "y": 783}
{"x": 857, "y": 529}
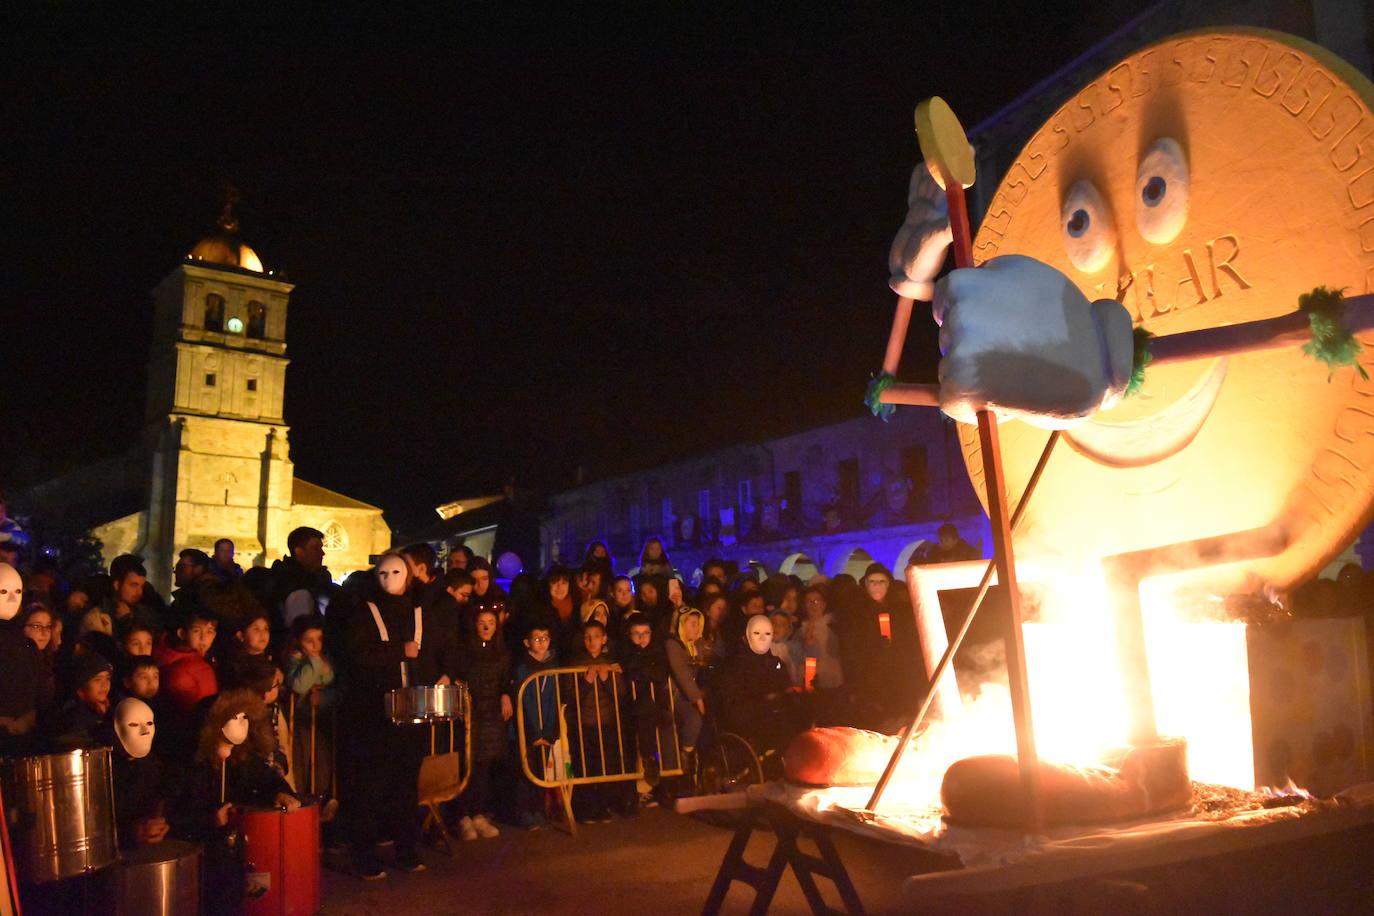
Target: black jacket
{"x": 375, "y": 664}
{"x": 485, "y": 669}
{"x": 25, "y": 688}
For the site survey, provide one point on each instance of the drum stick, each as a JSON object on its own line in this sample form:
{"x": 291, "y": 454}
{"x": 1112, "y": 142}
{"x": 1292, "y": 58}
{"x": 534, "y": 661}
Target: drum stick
{"x": 334, "y": 758}
{"x": 313, "y": 711}
{"x": 223, "y": 761}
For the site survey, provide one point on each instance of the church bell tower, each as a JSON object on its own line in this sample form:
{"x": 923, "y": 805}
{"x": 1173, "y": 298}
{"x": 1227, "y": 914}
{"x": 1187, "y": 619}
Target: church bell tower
{"x": 216, "y": 380}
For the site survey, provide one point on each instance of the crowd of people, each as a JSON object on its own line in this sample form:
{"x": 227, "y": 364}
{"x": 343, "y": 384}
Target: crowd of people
{"x": 266, "y": 686}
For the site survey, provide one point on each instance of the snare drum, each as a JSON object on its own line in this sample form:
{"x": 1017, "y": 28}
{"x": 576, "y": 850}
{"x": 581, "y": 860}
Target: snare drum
{"x": 419, "y": 705}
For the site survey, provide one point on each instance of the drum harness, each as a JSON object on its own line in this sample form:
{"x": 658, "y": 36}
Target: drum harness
{"x": 381, "y": 631}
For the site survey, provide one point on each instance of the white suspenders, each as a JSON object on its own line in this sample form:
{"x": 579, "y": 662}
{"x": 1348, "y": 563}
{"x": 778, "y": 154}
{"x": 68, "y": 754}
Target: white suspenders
{"x": 386, "y": 637}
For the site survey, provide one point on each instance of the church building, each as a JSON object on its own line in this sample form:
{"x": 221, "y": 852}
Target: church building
{"x": 215, "y": 460}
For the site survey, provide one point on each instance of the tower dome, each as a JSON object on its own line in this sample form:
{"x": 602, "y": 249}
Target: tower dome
{"x": 224, "y": 245}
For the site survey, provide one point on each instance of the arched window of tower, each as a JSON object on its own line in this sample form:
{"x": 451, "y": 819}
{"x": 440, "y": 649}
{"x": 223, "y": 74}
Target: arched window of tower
{"x": 257, "y": 320}
{"x": 214, "y": 312}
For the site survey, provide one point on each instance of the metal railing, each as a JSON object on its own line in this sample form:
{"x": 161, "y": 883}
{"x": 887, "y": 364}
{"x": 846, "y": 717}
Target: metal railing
{"x": 566, "y": 680}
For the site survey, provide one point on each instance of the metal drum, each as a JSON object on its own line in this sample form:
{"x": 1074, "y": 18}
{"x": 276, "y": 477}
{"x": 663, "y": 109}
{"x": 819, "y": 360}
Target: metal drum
{"x": 418, "y": 705}
{"x": 61, "y": 813}
{"x": 160, "y": 879}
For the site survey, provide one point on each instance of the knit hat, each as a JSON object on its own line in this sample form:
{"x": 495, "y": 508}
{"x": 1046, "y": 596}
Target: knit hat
{"x": 88, "y": 665}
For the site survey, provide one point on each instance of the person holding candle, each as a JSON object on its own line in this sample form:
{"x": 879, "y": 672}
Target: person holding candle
{"x": 823, "y": 673}
{"x": 898, "y": 674}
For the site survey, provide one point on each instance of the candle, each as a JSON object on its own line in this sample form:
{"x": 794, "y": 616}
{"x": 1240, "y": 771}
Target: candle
{"x": 810, "y": 680}
{"x": 885, "y": 626}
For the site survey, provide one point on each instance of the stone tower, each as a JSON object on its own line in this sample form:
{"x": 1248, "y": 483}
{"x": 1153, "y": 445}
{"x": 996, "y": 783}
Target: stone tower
{"x": 216, "y": 378}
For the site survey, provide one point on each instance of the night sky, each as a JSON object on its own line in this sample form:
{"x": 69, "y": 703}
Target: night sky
{"x": 522, "y": 243}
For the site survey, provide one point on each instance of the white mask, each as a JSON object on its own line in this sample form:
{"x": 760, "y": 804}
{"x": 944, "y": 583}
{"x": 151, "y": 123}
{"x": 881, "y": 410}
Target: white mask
{"x": 134, "y": 726}
{"x": 235, "y": 731}
{"x": 759, "y": 634}
{"x": 391, "y": 573}
{"x": 11, "y": 592}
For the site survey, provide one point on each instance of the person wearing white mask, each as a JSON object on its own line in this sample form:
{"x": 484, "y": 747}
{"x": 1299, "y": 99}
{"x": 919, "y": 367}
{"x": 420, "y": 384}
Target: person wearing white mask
{"x": 755, "y": 691}
{"x": 140, "y": 803}
{"x": 25, "y": 690}
{"x": 386, "y": 641}
{"x": 232, "y": 769}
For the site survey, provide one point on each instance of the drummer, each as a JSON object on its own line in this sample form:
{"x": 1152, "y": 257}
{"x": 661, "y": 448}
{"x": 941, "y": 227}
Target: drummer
{"x": 25, "y": 693}
{"x": 385, "y": 642}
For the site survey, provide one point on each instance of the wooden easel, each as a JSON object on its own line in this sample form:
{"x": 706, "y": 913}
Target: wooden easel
{"x": 787, "y": 829}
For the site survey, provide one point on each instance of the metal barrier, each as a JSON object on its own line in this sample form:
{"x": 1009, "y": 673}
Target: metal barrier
{"x": 566, "y": 781}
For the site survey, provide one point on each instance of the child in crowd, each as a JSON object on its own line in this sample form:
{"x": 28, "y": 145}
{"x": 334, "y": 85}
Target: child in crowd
{"x": 310, "y": 675}
{"x": 715, "y": 638}
{"x": 595, "y": 738}
{"x": 135, "y": 637}
{"x": 686, "y": 660}
{"x": 651, "y": 704}
{"x": 231, "y": 762}
{"x": 787, "y": 645}
{"x": 265, "y": 680}
{"x": 622, "y": 603}
{"x": 82, "y": 720}
{"x": 138, "y": 775}
{"x": 44, "y": 631}
{"x": 255, "y": 633}
{"x": 459, "y": 584}
{"x": 485, "y": 668}
{"x": 541, "y": 714}
{"x": 141, "y": 678}
{"x": 186, "y": 675}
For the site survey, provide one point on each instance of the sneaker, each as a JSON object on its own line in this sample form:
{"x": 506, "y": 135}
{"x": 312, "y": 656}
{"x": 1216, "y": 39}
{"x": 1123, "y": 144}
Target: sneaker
{"x": 600, "y": 817}
{"x": 532, "y": 821}
{"x": 368, "y": 867}
{"x": 484, "y": 827}
{"x": 409, "y": 860}
{"x": 386, "y": 843}
{"x": 467, "y": 829}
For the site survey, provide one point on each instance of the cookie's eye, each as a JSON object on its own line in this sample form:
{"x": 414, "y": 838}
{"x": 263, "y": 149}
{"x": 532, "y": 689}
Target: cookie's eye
{"x": 1089, "y": 236}
{"x": 1161, "y": 192}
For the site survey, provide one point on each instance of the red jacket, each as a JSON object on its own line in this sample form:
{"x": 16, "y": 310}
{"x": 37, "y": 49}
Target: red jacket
{"x": 185, "y": 677}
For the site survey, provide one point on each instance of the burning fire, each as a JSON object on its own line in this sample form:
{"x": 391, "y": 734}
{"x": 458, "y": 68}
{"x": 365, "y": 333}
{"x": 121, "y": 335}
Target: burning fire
{"x": 1199, "y": 677}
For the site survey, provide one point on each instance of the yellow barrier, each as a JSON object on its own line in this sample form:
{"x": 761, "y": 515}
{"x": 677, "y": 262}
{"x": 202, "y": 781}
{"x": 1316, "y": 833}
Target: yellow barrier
{"x": 565, "y": 781}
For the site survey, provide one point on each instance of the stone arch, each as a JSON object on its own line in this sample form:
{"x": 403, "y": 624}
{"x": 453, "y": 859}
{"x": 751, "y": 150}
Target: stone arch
{"x": 849, "y": 559}
{"x": 800, "y": 565}
{"x": 904, "y": 557}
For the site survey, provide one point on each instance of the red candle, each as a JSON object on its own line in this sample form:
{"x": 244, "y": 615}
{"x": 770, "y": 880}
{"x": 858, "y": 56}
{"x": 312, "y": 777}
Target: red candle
{"x": 885, "y": 626}
{"x": 810, "y": 678}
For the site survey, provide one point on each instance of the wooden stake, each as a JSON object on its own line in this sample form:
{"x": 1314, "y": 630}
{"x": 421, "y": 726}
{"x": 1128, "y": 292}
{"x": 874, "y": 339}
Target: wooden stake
{"x": 1005, "y": 560}
{"x": 952, "y": 649}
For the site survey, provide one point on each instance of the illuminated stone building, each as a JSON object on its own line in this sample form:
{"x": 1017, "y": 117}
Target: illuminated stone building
{"x": 215, "y": 458}
{"x": 830, "y": 500}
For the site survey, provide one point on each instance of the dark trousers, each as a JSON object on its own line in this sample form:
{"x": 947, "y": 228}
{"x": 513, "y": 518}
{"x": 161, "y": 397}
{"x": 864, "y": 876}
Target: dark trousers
{"x": 598, "y": 753}
{"x": 382, "y": 790}
{"x": 477, "y": 798}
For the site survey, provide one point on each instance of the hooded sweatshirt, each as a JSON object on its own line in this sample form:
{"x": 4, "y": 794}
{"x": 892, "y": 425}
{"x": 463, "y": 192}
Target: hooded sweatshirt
{"x": 685, "y": 658}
